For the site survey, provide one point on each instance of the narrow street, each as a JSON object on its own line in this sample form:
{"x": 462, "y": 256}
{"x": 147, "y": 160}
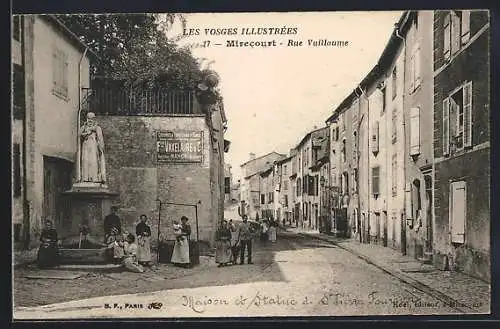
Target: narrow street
{"x": 297, "y": 276}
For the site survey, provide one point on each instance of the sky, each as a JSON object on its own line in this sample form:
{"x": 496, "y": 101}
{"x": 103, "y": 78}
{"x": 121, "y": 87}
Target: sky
{"x": 275, "y": 96}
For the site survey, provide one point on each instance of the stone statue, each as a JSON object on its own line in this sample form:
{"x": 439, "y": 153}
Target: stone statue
{"x": 92, "y": 162}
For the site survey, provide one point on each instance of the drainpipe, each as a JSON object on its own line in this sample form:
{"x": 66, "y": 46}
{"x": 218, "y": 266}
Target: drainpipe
{"x": 26, "y": 207}
{"x": 397, "y": 27}
{"x": 78, "y": 147}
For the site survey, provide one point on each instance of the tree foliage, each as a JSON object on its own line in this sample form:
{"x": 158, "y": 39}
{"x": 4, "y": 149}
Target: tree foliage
{"x": 134, "y": 48}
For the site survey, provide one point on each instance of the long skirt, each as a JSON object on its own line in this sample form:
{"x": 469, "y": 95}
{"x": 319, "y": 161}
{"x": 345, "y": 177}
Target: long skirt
{"x": 223, "y": 252}
{"x": 48, "y": 255}
{"x": 272, "y": 234}
{"x": 180, "y": 255}
{"x": 143, "y": 249}
{"x": 131, "y": 265}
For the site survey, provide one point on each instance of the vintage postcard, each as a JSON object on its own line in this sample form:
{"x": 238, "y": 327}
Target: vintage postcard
{"x": 251, "y": 164}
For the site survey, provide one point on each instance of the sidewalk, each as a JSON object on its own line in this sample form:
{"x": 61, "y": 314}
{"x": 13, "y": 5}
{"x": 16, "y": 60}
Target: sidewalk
{"x": 466, "y": 293}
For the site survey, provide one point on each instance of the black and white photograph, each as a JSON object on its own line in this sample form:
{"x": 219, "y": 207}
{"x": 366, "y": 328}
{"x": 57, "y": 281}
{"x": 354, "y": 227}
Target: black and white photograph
{"x": 250, "y": 165}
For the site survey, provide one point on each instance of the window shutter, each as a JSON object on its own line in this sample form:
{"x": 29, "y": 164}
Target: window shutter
{"x": 417, "y": 66}
{"x": 467, "y": 103}
{"x": 447, "y": 36}
{"x": 415, "y": 131}
{"x": 376, "y": 180}
{"x": 375, "y": 137}
{"x": 65, "y": 76}
{"x": 457, "y": 211}
{"x": 465, "y": 26}
{"x": 412, "y": 70}
{"x": 408, "y": 202}
{"x": 455, "y": 32}
{"x": 446, "y": 126}
{"x": 55, "y": 73}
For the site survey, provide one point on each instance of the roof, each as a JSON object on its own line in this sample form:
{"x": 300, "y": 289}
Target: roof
{"x": 263, "y": 156}
{"x": 284, "y": 160}
{"x": 266, "y": 172}
{"x": 309, "y": 135}
{"x": 72, "y": 37}
{"x": 385, "y": 61}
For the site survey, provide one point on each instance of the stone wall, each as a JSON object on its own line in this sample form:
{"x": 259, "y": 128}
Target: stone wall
{"x": 133, "y": 172}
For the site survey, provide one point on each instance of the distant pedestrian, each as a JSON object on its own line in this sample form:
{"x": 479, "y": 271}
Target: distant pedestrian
{"x": 235, "y": 243}
{"x": 264, "y": 231}
{"x": 223, "y": 245}
{"x": 143, "y": 232}
{"x": 245, "y": 236}
{"x": 272, "y": 231}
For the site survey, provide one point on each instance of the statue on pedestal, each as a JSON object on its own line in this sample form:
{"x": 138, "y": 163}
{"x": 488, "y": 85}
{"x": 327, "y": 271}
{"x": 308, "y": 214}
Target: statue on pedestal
{"x": 92, "y": 161}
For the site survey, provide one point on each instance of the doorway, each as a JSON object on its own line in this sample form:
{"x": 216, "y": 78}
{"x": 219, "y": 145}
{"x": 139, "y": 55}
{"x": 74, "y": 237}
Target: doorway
{"x": 429, "y": 222}
{"x": 57, "y": 175}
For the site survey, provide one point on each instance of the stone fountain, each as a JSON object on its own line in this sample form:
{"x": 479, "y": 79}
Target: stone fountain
{"x": 89, "y": 199}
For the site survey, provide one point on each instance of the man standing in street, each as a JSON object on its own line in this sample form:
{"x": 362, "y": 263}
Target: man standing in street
{"x": 245, "y": 236}
{"x": 112, "y": 221}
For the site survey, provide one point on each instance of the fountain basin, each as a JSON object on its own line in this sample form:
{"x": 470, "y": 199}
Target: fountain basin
{"x": 83, "y": 256}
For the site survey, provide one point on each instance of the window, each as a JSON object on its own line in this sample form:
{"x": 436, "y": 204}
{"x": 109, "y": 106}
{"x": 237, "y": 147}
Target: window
{"x": 227, "y": 185}
{"x": 415, "y": 76}
{"x": 456, "y": 30}
{"x": 394, "y": 175}
{"x": 375, "y": 139}
{"x": 394, "y": 83}
{"x": 343, "y": 151}
{"x": 458, "y": 213}
{"x": 285, "y": 185}
{"x": 354, "y": 146}
{"x": 355, "y": 180}
{"x": 285, "y": 170}
{"x": 415, "y": 131}
{"x": 286, "y": 200}
{"x": 16, "y": 152}
{"x": 60, "y": 74}
{"x": 457, "y": 120}
{"x": 345, "y": 183}
{"x": 383, "y": 91}
{"x": 337, "y": 133}
{"x": 299, "y": 185}
{"x": 18, "y": 92}
{"x": 270, "y": 197}
{"x": 376, "y": 181}
{"x": 262, "y": 199}
{"x": 394, "y": 125}
{"x": 16, "y": 28}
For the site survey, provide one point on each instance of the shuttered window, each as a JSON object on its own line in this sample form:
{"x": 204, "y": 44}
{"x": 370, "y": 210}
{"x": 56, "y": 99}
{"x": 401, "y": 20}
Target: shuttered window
{"x": 467, "y": 104}
{"x": 376, "y": 181}
{"x": 455, "y": 32}
{"x": 447, "y": 36}
{"x": 60, "y": 73}
{"x": 446, "y": 126}
{"x": 465, "y": 33}
{"x": 416, "y": 65}
{"x": 375, "y": 137}
{"x": 408, "y": 202}
{"x": 415, "y": 131}
{"x": 457, "y": 209}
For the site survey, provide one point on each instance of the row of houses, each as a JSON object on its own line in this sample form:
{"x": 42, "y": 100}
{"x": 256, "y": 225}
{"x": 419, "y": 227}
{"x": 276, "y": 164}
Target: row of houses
{"x": 403, "y": 161}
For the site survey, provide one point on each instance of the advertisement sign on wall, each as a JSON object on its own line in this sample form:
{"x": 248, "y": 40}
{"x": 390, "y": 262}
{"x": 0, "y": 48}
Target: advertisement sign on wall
{"x": 180, "y": 146}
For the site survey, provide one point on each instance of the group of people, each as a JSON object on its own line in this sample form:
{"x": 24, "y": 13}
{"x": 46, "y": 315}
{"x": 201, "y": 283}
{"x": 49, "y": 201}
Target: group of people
{"x": 268, "y": 230}
{"x": 133, "y": 251}
{"x": 232, "y": 241}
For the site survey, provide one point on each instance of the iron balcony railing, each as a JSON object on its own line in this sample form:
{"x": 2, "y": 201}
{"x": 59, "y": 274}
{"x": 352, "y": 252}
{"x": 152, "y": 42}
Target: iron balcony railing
{"x": 122, "y": 101}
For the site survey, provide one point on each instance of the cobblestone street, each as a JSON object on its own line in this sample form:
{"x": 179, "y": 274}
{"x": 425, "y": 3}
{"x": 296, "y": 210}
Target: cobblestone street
{"x": 299, "y": 275}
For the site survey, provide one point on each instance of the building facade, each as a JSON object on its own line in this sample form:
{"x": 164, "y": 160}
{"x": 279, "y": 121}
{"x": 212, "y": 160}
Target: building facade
{"x": 250, "y": 184}
{"x": 50, "y": 68}
{"x": 285, "y": 191}
{"x": 462, "y": 141}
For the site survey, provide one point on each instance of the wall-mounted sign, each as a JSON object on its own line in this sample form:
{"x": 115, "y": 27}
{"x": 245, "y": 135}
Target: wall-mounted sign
{"x": 179, "y": 146}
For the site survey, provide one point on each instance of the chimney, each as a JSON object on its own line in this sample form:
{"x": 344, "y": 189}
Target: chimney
{"x": 252, "y": 156}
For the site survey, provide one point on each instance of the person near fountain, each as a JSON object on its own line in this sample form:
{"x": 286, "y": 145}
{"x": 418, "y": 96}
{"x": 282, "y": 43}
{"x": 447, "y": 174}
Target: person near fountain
{"x": 48, "y": 253}
{"x": 93, "y": 165}
{"x": 112, "y": 221}
{"x": 180, "y": 255}
{"x": 143, "y": 232}
{"x": 223, "y": 244}
{"x": 116, "y": 247}
{"x": 130, "y": 258}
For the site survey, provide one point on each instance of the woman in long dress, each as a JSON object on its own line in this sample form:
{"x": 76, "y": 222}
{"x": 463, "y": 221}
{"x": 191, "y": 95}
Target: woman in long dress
{"x": 180, "y": 255}
{"x": 223, "y": 245}
{"x": 143, "y": 232}
{"x": 272, "y": 231}
{"x": 235, "y": 242}
{"x": 130, "y": 259}
{"x": 48, "y": 253}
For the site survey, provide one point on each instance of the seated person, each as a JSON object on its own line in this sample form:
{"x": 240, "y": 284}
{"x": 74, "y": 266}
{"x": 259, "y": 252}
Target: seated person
{"x": 48, "y": 253}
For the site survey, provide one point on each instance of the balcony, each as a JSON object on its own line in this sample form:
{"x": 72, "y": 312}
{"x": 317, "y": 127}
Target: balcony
{"x": 113, "y": 100}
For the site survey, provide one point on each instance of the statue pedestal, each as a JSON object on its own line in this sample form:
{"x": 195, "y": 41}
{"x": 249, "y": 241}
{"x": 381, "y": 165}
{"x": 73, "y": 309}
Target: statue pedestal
{"x": 88, "y": 204}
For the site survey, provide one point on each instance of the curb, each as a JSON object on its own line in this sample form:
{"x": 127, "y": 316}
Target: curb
{"x": 449, "y": 301}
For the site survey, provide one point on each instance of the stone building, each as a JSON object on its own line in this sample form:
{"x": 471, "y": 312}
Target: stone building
{"x": 285, "y": 191}
{"x": 462, "y": 141}
{"x": 50, "y": 67}
{"x": 250, "y": 184}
